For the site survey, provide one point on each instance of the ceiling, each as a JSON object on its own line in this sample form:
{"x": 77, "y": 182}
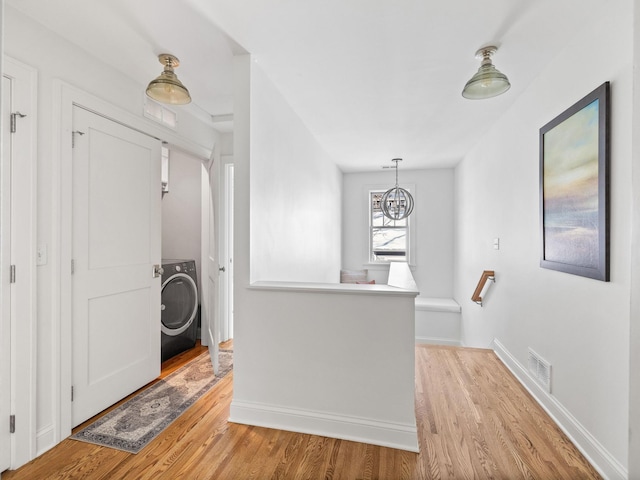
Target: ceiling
{"x": 372, "y": 79}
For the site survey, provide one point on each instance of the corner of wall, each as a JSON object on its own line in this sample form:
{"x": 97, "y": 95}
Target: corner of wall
{"x": 595, "y": 453}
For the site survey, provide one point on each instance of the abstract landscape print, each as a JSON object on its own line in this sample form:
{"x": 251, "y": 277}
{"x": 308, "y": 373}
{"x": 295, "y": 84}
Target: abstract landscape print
{"x": 574, "y": 184}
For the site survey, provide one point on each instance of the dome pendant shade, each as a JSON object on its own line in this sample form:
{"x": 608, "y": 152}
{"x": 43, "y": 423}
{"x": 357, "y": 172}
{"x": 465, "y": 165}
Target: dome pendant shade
{"x": 488, "y": 81}
{"x": 396, "y": 203}
{"x": 166, "y": 88}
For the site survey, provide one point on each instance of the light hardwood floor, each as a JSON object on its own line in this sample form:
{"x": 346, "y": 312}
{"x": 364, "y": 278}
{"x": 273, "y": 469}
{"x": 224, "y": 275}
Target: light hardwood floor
{"x": 475, "y": 421}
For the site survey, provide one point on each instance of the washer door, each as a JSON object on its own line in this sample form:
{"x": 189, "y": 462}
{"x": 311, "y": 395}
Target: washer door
{"x": 179, "y": 303}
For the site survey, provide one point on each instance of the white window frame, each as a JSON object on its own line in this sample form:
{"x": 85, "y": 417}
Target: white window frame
{"x": 411, "y": 228}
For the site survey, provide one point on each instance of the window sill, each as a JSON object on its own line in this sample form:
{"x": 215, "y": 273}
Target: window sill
{"x": 383, "y": 265}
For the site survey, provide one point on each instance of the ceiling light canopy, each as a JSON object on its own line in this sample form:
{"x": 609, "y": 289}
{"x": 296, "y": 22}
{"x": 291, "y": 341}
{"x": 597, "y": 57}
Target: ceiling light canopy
{"x": 167, "y": 88}
{"x": 488, "y": 81}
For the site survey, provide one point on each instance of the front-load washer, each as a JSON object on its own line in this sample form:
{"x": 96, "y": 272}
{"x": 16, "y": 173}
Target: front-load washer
{"x": 179, "y": 310}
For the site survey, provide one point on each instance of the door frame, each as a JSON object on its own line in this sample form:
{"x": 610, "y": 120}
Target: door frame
{"x": 226, "y": 249}
{"x": 118, "y": 274}
{"x": 65, "y": 97}
{"x": 23, "y": 178}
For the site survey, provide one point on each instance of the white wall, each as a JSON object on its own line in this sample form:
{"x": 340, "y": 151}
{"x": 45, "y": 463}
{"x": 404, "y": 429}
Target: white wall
{"x": 295, "y": 194}
{"x": 56, "y": 59}
{"x": 313, "y": 361}
{"x": 285, "y": 341}
{"x": 181, "y": 210}
{"x": 431, "y": 220}
{"x": 581, "y": 326}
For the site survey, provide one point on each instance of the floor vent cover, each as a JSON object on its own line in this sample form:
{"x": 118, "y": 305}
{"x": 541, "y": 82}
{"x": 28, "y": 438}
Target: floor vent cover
{"x": 540, "y": 369}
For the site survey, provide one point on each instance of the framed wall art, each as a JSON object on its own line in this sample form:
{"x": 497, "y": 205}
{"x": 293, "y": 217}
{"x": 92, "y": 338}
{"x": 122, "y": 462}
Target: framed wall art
{"x": 574, "y": 188}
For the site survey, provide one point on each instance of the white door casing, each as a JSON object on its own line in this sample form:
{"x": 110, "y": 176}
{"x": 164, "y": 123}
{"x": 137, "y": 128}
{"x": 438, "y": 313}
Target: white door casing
{"x": 17, "y": 295}
{"x": 5, "y": 287}
{"x": 227, "y": 257}
{"x": 5, "y": 354}
{"x": 116, "y": 201}
{"x": 66, "y": 97}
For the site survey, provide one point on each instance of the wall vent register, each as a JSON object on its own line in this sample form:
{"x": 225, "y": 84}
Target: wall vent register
{"x": 540, "y": 370}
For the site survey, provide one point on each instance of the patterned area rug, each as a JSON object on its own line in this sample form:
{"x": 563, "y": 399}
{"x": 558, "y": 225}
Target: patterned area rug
{"x": 136, "y": 422}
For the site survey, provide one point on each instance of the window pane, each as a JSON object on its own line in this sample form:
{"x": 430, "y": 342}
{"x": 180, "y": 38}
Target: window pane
{"x": 389, "y": 244}
{"x": 377, "y": 218}
{"x": 394, "y": 223}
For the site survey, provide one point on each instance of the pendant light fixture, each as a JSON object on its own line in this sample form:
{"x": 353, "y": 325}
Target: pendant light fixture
{"x": 396, "y": 203}
{"x": 167, "y": 88}
{"x": 488, "y": 81}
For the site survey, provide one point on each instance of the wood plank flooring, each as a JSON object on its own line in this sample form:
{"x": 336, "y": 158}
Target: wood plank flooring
{"x": 475, "y": 421}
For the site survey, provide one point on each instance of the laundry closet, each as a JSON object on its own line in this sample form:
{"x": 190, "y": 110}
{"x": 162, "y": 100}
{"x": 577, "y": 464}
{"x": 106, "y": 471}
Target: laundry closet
{"x": 181, "y": 251}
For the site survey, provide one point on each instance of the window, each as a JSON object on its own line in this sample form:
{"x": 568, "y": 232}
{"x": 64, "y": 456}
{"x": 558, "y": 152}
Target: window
{"x": 388, "y": 239}
{"x": 160, "y": 114}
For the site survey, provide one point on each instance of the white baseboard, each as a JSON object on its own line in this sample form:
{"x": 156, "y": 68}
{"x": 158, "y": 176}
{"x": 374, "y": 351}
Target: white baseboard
{"x": 45, "y": 440}
{"x": 438, "y": 341}
{"x": 597, "y": 455}
{"x": 400, "y": 436}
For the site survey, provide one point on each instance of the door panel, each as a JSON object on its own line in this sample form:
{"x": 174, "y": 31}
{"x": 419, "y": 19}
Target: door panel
{"x": 116, "y": 242}
{"x": 119, "y": 312}
{"x": 119, "y": 227}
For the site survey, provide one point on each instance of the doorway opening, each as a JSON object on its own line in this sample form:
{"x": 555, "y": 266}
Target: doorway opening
{"x": 182, "y": 291}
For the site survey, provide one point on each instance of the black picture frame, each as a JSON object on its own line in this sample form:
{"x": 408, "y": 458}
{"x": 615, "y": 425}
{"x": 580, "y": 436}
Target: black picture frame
{"x": 574, "y": 188}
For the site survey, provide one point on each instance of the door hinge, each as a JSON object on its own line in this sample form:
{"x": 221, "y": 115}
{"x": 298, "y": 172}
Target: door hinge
{"x": 73, "y": 137}
{"x": 12, "y": 274}
{"x": 14, "y": 116}
{"x": 72, "y": 393}
{"x": 12, "y": 424}
{"x": 73, "y": 266}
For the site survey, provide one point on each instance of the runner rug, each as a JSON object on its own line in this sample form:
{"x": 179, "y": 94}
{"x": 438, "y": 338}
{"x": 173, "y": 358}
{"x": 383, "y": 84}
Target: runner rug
{"x": 140, "y": 419}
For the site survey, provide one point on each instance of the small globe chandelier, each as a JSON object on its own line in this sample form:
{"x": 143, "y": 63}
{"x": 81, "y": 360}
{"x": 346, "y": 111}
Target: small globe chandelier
{"x": 396, "y": 203}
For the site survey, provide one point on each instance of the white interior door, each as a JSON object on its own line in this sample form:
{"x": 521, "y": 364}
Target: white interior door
{"x": 5, "y": 290}
{"x": 116, "y": 243}
{"x": 17, "y": 264}
{"x": 210, "y": 300}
